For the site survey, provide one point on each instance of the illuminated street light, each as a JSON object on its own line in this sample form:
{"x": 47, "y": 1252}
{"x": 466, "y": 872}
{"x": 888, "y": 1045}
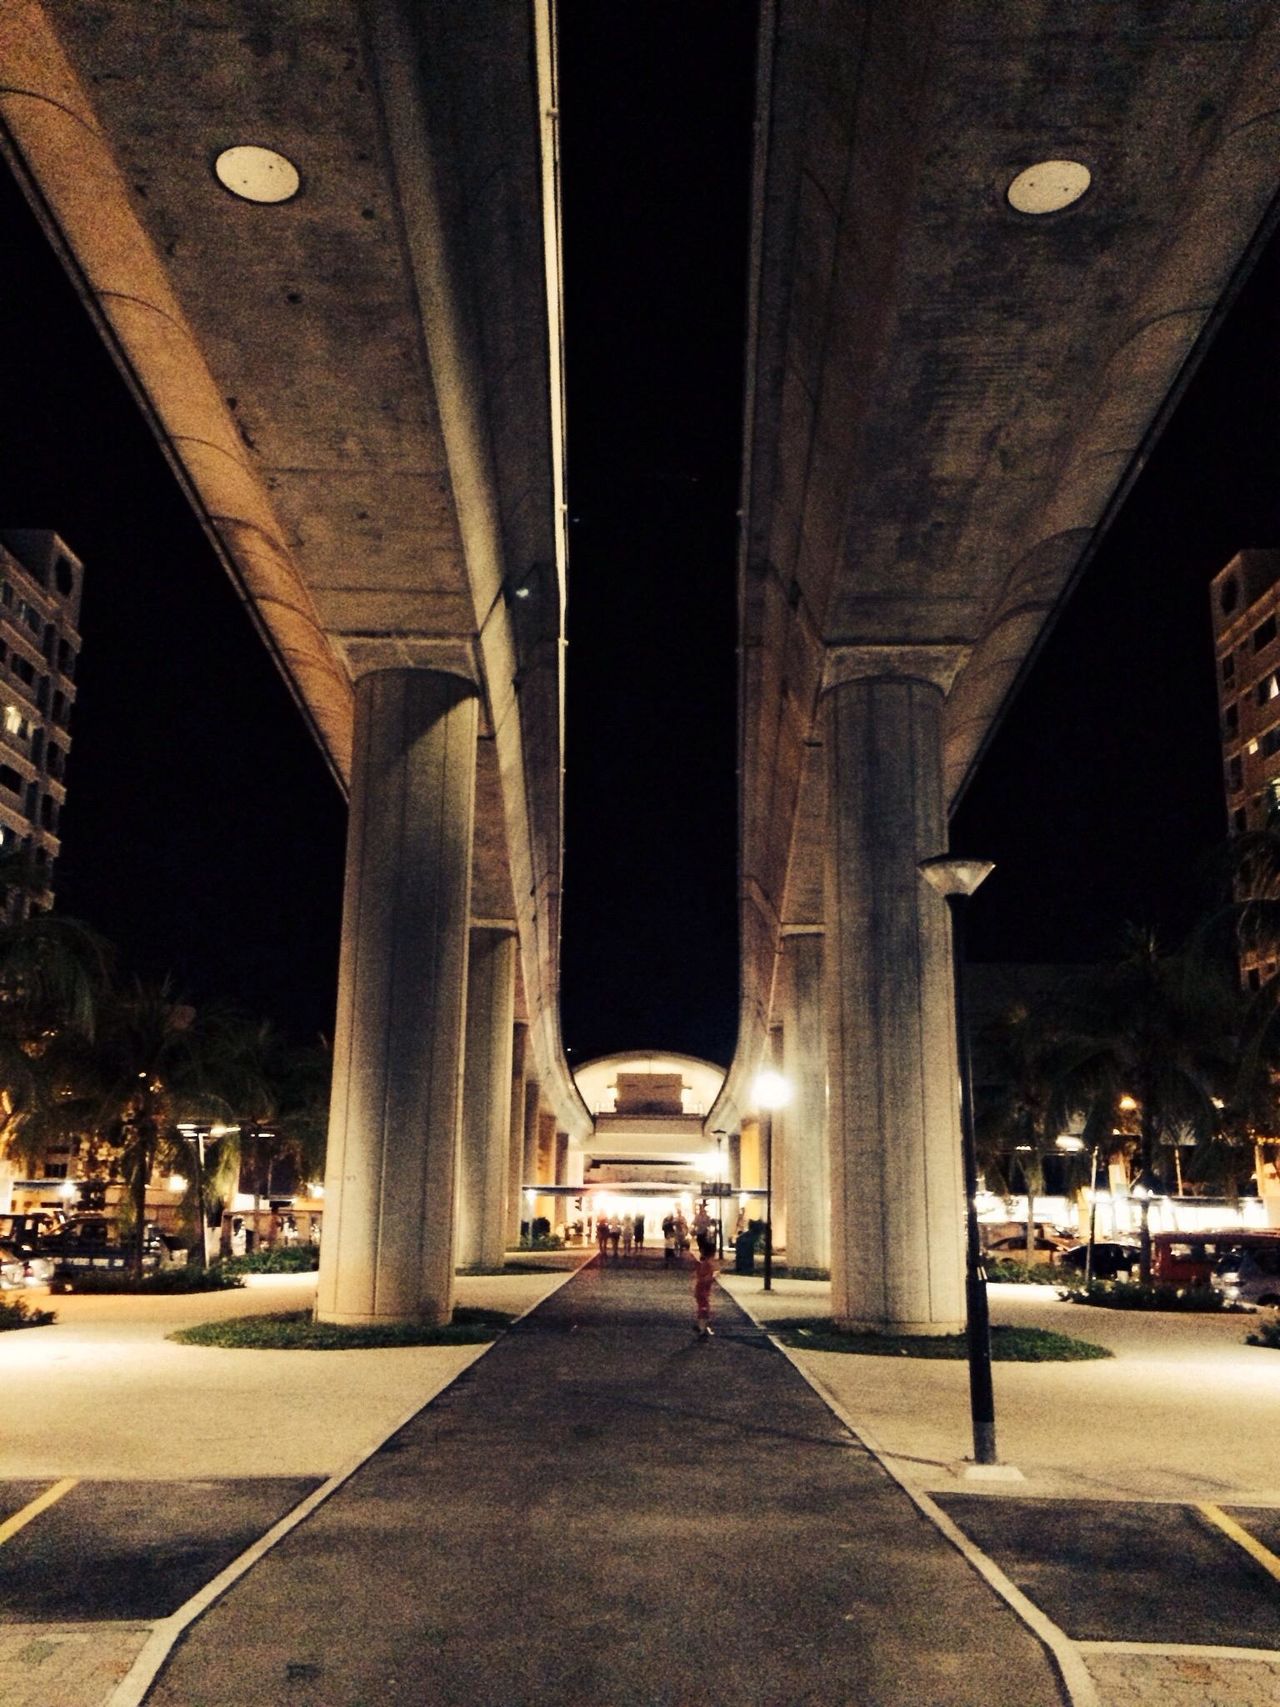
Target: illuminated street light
{"x": 955, "y": 880}
{"x": 772, "y": 1091}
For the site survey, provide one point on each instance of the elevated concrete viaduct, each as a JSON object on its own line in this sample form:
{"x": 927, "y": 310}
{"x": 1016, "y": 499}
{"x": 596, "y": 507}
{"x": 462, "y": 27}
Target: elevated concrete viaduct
{"x": 359, "y": 388}
{"x": 948, "y": 393}
{"x": 947, "y": 398}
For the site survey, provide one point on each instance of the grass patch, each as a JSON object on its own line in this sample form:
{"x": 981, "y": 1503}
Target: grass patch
{"x": 276, "y": 1259}
{"x": 1134, "y": 1295}
{"x": 167, "y": 1280}
{"x": 1268, "y": 1334}
{"x": 1008, "y": 1345}
{"x": 294, "y": 1330}
{"x": 19, "y": 1314}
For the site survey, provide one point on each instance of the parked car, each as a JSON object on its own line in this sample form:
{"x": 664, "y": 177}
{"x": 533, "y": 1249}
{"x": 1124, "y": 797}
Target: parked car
{"x": 25, "y": 1232}
{"x": 19, "y": 1268}
{"x": 1250, "y": 1273}
{"x": 93, "y": 1241}
{"x": 1110, "y": 1258}
{"x": 1048, "y": 1248}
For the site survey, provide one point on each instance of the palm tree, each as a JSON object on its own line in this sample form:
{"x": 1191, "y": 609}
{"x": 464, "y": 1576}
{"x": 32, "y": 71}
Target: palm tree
{"x": 145, "y": 1074}
{"x": 53, "y": 973}
{"x": 279, "y": 1092}
{"x": 1021, "y": 1068}
{"x": 1161, "y": 1029}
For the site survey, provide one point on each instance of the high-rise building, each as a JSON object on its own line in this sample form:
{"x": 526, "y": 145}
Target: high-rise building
{"x": 40, "y": 581}
{"x": 1246, "y": 615}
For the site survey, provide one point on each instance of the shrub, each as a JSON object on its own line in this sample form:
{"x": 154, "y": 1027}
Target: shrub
{"x": 1268, "y": 1333}
{"x": 19, "y": 1314}
{"x": 276, "y": 1259}
{"x": 1010, "y": 1272}
{"x": 541, "y": 1242}
{"x": 91, "y": 1280}
{"x": 1136, "y": 1295}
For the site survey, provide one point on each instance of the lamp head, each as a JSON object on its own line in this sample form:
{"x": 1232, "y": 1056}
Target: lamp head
{"x": 955, "y": 875}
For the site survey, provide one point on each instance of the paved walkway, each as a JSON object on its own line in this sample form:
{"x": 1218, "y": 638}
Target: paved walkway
{"x": 605, "y": 1510}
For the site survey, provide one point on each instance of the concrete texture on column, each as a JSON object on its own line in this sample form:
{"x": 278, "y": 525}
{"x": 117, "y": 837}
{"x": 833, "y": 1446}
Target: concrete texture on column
{"x": 532, "y": 1126}
{"x": 803, "y": 1121}
{"x": 515, "y": 1141}
{"x": 486, "y": 1099}
{"x": 897, "y": 1200}
{"x": 387, "y": 1253}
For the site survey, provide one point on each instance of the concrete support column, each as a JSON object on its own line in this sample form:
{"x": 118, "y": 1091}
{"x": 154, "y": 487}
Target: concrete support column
{"x": 515, "y": 1137}
{"x": 486, "y": 1098}
{"x": 387, "y": 1253}
{"x": 804, "y": 1119}
{"x": 775, "y": 1166}
{"x": 532, "y": 1100}
{"x": 897, "y": 1199}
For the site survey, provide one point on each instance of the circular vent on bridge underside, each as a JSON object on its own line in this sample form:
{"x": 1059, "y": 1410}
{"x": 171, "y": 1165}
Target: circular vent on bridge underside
{"x": 257, "y": 174}
{"x": 1049, "y": 186}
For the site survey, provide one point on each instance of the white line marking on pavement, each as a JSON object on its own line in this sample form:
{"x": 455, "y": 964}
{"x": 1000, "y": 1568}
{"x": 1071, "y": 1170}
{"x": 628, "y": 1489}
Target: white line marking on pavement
{"x": 1072, "y": 1672}
{"x": 132, "y": 1690}
{"x": 1180, "y": 1651}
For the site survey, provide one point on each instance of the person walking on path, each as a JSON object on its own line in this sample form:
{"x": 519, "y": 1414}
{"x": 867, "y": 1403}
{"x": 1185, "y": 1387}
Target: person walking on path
{"x": 669, "y": 1240}
{"x": 704, "y": 1274}
{"x": 628, "y": 1234}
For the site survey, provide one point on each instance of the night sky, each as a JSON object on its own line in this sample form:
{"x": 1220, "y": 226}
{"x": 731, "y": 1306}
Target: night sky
{"x": 203, "y": 833}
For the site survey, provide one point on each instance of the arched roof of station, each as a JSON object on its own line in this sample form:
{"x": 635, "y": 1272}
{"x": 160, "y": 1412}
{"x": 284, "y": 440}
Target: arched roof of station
{"x": 700, "y": 1080}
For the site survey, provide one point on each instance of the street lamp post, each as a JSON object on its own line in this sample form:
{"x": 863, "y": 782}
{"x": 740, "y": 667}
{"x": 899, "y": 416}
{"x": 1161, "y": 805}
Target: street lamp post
{"x": 772, "y": 1092}
{"x": 719, "y": 1136}
{"x": 956, "y": 880}
{"x": 1070, "y": 1142}
{"x": 199, "y": 1134}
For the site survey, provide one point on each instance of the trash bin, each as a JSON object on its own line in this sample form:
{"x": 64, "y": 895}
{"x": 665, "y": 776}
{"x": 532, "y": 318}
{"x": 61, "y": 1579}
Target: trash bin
{"x": 744, "y": 1250}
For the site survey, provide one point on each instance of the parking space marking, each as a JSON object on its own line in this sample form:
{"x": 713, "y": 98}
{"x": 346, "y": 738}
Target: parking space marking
{"x": 1242, "y": 1538}
{"x": 42, "y": 1502}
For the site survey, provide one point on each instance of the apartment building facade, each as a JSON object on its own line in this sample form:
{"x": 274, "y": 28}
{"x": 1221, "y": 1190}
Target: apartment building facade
{"x": 40, "y": 586}
{"x": 1246, "y": 633}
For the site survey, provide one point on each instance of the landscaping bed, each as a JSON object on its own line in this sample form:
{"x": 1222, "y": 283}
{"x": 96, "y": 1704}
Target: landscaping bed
{"x": 295, "y": 1330}
{"x": 1008, "y": 1345}
{"x": 1134, "y": 1295}
{"x": 164, "y": 1280}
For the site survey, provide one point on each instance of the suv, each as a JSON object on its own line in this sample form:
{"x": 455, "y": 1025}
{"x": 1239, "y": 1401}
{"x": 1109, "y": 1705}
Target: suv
{"x": 1250, "y": 1274}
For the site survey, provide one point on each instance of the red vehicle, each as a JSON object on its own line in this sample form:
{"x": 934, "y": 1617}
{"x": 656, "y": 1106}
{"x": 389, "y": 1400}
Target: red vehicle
{"x": 1192, "y": 1259}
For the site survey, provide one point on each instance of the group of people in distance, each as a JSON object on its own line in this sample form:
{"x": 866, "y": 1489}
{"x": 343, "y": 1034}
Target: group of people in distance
{"x": 627, "y": 1231}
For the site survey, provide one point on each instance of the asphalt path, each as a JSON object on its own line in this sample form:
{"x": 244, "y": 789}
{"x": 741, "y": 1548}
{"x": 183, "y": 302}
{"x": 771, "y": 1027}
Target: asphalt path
{"x": 606, "y": 1510}
{"x": 600, "y": 1501}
